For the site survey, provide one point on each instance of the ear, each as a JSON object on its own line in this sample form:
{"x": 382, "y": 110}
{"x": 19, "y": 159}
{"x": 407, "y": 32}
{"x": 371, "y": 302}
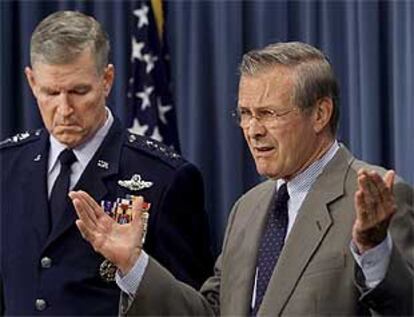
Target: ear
{"x": 322, "y": 114}
{"x": 108, "y": 78}
{"x": 31, "y": 80}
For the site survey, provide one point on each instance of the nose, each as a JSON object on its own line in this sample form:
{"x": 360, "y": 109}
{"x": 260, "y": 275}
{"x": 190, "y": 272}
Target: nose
{"x": 255, "y": 129}
{"x": 65, "y": 105}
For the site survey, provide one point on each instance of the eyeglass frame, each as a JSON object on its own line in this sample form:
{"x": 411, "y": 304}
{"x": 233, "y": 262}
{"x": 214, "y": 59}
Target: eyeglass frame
{"x": 272, "y": 116}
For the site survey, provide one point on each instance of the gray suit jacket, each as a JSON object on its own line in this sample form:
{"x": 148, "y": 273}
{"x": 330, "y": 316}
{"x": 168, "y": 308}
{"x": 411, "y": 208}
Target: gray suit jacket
{"x": 315, "y": 274}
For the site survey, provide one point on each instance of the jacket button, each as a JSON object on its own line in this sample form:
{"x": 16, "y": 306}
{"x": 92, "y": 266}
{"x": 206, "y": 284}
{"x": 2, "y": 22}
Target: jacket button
{"x": 46, "y": 262}
{"x": 40, "y": 304}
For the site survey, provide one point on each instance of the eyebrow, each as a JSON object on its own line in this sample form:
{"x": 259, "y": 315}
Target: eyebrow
{"x": 47, "y": 89}
{"x": 80, "y": 86}
{"x": 271, "y": 107}
{"x": 51, "y": 89}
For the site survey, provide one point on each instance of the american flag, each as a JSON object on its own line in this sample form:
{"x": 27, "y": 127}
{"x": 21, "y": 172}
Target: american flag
{"x": 149, "y": 96}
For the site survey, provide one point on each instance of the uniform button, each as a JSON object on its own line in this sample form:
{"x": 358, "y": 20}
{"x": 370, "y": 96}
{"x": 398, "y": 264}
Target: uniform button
{"x": 46, "y": 262}
{"x": 40, "y": 304}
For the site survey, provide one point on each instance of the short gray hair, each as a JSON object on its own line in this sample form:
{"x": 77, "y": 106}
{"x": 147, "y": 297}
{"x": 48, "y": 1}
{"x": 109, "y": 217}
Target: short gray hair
{"x": 64, "y": 35}
{"x": 315, "y": 78}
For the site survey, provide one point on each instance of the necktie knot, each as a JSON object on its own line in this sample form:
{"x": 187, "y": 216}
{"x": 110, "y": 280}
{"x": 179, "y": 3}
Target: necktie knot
{"x": 67, "y": 157}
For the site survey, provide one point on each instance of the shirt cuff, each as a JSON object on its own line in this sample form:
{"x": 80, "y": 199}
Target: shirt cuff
{"x": 129, "y": 283}
{"x": 374, "y": 262}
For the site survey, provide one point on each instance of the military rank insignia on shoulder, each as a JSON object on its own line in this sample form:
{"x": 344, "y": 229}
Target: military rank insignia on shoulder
{"x": 20, "y": 138}
{"x": 155, "y": 148}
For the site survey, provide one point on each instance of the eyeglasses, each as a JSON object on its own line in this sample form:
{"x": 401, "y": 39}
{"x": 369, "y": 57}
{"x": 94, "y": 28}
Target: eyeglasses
{"x": 266, "y": 116}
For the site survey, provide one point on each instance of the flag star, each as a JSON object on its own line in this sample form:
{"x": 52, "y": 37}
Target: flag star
{"x": 150, "y": 60}
{"x": 145, "y": 96}
{"x": 142, "y": 15}
{"x": 137, "y": 128}
{"x": 162, "y": 110}
{"x": 137, "y": 48}
{"x": 156, "y": 135}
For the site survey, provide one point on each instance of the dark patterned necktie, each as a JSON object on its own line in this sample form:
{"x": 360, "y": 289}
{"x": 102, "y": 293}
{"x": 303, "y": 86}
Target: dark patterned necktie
{"x": 59, "y": 196}
{"x": 271, "y": 244}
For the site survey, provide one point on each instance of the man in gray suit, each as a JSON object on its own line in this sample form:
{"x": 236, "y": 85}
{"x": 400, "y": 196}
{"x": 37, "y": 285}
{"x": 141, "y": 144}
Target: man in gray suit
{"x": 346, "y": 245}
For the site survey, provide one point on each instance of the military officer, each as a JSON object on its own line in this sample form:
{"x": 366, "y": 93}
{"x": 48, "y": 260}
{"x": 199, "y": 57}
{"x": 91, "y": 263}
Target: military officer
{"x": 46, "y": 266}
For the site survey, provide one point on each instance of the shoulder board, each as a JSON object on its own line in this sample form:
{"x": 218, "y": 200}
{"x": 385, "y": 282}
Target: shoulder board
{"x": 20, "y": 138}
{"x": 155, "y": 148}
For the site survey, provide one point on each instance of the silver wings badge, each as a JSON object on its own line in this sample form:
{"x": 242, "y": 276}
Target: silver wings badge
{"x": 135, "y": 183}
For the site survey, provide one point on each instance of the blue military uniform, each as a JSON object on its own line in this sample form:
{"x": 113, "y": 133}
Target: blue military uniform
{"x": 57, "y": 273}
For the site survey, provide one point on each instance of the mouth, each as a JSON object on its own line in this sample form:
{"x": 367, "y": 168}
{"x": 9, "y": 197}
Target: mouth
{"x": 67, "y": 127}
{"x": 263, "y": 150}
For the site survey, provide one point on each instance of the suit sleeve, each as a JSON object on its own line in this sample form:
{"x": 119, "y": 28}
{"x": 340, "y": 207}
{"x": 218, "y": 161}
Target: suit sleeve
{"x": 394, "y": 295}
{"x": 182, "y": 231}
{"x": 178, "y": 299}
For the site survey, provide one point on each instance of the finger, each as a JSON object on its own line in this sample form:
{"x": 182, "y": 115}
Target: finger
{"x": 385, "y": 205}
{"x": 389, "y": 179}
{"x": 102, "y": 220}
{"x": 81, "y": 209}
{"x": 97, "y": 210}
{"x": 361, "y": 208}
{"x": 83, "y": 213}
{"x": 85, "y": 232}
{"x": 383, "y": 199}
{"x": 369, "y": 185}
{"x": 83, "y": 206}
{"x": 137, "y": 211}
{"x": 377, "y": 187}
{"x": 365, "y": 186}
{"x": 369, "y": 199}
{"x": 362, "y": 172}
{"x": 360, "y": 178}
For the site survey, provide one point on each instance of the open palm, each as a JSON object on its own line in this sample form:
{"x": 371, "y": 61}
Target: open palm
{"x": 120, "y": 244}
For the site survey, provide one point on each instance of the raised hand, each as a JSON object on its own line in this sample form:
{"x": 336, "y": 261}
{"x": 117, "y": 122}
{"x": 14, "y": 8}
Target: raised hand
{"x": 375, "y": 206}
{"x": 120, "y": 244}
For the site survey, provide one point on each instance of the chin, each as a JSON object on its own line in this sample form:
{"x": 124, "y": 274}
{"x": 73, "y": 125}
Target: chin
{"x": 264, "y": 172}
{"x": 69, "y": 142}
{"x": 267, "y": 171}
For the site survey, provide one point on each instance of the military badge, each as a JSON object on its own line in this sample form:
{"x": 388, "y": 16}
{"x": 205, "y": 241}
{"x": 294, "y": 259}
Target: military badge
{"x": 103, "y": 164}
{"x": 135, "y": 183}
{"x": 121, "y": 212}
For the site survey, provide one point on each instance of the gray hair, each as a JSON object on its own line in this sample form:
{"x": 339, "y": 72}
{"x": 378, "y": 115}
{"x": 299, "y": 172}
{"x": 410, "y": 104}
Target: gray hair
{"x": 62, "y": 36}
{"x": 315, "y": 78}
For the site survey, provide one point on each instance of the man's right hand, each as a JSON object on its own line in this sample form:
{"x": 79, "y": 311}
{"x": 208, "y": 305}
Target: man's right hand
{"x": 120, "y": 244}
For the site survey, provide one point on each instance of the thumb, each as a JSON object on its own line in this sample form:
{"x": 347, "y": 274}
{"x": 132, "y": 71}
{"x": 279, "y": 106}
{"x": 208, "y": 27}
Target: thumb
{"x": 389, "y": 179}
{"x": 137, "y": 206}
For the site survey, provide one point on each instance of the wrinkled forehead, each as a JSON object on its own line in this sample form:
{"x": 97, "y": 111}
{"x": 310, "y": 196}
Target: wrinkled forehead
{"x": 272, "y": 87}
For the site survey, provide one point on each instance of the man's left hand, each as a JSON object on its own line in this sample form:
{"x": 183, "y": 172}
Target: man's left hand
{"x": 375, "y": 206}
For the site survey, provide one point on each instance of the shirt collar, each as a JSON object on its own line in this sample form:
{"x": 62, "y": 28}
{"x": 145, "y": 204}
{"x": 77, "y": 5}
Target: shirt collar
{"x": 85, "y": 151}
{"x": 303, "y": 181}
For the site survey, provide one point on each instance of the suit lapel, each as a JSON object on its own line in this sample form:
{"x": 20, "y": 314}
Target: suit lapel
{"x": 238, "y": 300}
{"x": 34, "y": 186}
{"x": 311, "y": 225}
{"x": 93, "y": 178}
